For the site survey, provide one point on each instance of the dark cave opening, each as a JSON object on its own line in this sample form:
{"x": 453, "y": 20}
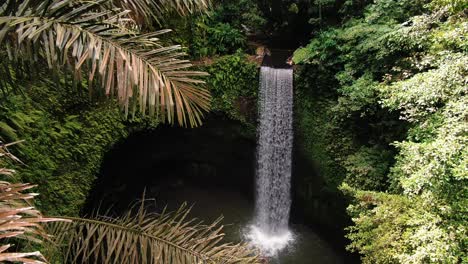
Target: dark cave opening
{"x": 215, "y": 156}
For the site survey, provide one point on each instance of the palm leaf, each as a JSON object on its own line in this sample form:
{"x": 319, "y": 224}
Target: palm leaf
{"x": 133, "y": 67}
{"x": 143, "y": 237}
{"x": 18, "y": 218}
{"x": 157, "y": 9}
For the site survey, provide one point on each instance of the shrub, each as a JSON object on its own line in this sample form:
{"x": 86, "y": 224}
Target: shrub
{"x": 233, "y": 83}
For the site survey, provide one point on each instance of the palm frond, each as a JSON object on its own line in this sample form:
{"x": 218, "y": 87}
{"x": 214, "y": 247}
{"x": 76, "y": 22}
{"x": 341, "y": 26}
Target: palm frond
{"x": 158, "y": 9}
{"x": 18, "y": 218}
{"x": 183, "y": 7}
{"x": 143, "y": 237}
{"x": 135, "y": 68}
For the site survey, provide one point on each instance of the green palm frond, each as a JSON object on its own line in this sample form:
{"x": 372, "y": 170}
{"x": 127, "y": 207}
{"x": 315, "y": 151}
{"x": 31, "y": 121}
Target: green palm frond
{"x": 144, "y": 237}
{"x": 18, "y": 218}
{"x": 134, "y": 67}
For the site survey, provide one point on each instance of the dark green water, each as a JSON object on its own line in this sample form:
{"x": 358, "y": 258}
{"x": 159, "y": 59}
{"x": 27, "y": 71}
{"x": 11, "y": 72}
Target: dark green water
{"x": 307, "y": 248}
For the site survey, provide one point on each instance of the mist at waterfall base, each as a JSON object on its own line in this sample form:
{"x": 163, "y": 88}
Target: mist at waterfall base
{"x": 269, "y": 231}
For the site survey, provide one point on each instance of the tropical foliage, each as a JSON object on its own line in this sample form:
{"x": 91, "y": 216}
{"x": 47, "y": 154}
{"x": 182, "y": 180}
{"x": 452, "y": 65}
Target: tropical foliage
{"x": 67, "y": 135}
{"x": 224, "y": 30}
{"x": 394, "y": 83}
{"x": 158, "y": 10}
{"x": 211, "y": 38}
{"x": 233, "y": 83}
{"x": 107, "y": 46}
{"x": 380, "y": 114}
{"x": 18, "y": 217}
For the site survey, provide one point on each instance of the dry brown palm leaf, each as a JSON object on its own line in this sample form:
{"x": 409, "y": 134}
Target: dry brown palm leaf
{"x": 133, "y": 67}
{"x": 18, "y": 218}
{"x": 142, "y": 237}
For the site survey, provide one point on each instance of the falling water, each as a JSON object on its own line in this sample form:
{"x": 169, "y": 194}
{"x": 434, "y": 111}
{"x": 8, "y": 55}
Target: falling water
{"x": 270, "y": 231}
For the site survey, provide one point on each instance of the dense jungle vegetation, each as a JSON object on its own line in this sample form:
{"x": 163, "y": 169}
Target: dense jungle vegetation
{"x": 380, "y": 111}
{"x": 385, "y": 119}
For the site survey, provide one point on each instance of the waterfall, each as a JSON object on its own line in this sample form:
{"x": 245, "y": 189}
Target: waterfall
{"x": 274, "y": 150}
{"x": 270, "y": 230}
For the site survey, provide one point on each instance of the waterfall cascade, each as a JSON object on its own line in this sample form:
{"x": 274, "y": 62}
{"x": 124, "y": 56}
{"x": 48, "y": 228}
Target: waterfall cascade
{"x": 270, "y": 230}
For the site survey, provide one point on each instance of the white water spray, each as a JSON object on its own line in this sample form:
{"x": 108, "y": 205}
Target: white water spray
{"x": 270, "y": 231}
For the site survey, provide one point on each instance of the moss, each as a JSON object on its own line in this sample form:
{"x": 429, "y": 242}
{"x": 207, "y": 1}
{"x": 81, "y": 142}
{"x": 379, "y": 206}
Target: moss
{"x": 64, "y": 145}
